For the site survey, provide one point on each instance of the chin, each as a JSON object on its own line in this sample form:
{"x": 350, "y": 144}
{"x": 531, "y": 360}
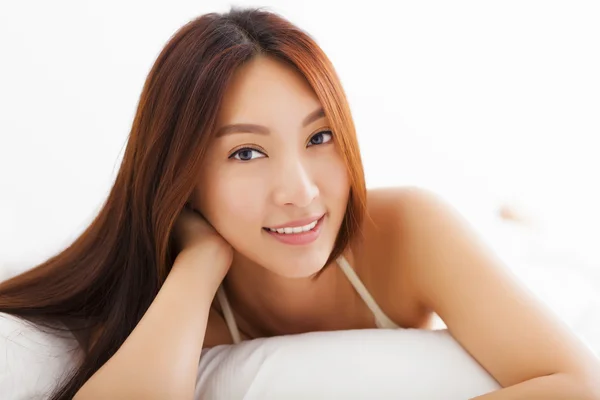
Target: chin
{"x": 301, "y": 267}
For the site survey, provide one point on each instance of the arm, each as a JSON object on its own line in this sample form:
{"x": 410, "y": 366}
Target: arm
{"x": 515, "y": 337}
{"x": 550, "y": 387}
{"x": 159, "y": 359}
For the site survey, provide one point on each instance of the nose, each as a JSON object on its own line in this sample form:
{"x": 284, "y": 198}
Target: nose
{"x": 295, "y": 185}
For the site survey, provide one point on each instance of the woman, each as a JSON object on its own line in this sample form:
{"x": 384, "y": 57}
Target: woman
{"x": 240, "y": 211}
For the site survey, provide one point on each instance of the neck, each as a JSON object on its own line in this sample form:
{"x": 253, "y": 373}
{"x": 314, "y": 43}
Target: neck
{"x": 269, "y": 304}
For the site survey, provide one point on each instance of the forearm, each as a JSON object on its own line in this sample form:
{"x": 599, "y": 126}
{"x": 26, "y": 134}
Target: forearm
{"x": 550, "y": 387}
{"x": 159, "y": 359}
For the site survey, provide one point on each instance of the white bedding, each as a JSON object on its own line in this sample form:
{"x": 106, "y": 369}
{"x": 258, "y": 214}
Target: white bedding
{"x": 32, "y": 362}
{"x": 357, "y": 364}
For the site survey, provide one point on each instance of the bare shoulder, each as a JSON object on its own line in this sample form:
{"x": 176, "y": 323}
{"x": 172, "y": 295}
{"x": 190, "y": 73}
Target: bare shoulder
{"x": 384, "y": 258}
{"x": 392, "y": 201}
{"x": 402, "y": 220}
{"x": 397, "y": 212}
{"x": 391, "y": 214}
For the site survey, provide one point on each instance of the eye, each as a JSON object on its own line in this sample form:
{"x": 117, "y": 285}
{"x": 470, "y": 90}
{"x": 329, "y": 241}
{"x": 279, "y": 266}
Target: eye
{"x": 247, "y": 154}
{"x": 320, "y": 138}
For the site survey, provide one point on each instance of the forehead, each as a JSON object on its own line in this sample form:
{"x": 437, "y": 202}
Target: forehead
{"x": 265, "y": 88}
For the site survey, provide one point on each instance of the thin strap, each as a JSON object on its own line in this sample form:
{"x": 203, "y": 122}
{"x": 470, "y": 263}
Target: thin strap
{"x": 381, "y": 320}
{"x": 228, "y": 314}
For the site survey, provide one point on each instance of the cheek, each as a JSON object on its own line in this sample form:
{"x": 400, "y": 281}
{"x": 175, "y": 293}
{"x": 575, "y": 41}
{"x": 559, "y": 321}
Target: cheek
{"x": 234, "y": 204}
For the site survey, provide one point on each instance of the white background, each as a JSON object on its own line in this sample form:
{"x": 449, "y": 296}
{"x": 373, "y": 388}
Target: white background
{"x": 487, "y": 103}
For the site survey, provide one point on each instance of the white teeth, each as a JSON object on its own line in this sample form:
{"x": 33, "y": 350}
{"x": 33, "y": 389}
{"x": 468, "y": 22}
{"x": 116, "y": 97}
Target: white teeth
{"x": 297, "y": 229}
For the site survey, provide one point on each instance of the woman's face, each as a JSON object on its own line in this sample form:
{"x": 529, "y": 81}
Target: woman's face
{"x": 274, "y": 164}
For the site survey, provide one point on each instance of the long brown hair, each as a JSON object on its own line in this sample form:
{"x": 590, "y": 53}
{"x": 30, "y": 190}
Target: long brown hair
{"x": 107, "y": 278}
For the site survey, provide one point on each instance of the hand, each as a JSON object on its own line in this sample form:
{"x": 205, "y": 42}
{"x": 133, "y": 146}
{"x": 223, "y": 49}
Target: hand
{"x": 196, "y": 239}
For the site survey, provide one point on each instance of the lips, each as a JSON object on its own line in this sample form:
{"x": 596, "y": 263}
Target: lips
{"x": 298, "y": 223}
{"x": 298, "y": 238}
{"x": 294, "y": 230}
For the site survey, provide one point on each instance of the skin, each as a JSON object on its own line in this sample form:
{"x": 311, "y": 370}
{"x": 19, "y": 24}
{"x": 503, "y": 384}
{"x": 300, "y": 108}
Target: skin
{"x": 419, "y": 256}
{"x": 286, "y": 175}
{"x": 294, "y": 171}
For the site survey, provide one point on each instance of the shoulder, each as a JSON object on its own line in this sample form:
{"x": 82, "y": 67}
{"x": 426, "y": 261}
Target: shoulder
{"x": 429, "y": 235}
{"x": 33, "y": 361}
{"x": 385, "y": 204}
{"x": 426, "y": 246}
{"x": 384, "y": 259}
{"x": 405, "y": 214}
{"x": 394, "y": 215}
{"x": 409, "y": 222}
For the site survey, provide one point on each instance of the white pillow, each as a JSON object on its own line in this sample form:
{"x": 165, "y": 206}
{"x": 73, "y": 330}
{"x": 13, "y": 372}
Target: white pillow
{"x": 33, "y": 362}
{"x": 357, "y": 364}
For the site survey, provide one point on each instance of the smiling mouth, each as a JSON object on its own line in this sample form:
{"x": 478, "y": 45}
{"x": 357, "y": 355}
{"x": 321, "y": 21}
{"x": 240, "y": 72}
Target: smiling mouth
{"x": 299, "y": 235}
{"x": 296, "y": 229}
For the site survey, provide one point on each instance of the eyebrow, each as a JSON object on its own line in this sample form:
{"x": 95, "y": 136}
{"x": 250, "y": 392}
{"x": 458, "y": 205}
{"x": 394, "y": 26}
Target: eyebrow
{"x": 263, "y": 130}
